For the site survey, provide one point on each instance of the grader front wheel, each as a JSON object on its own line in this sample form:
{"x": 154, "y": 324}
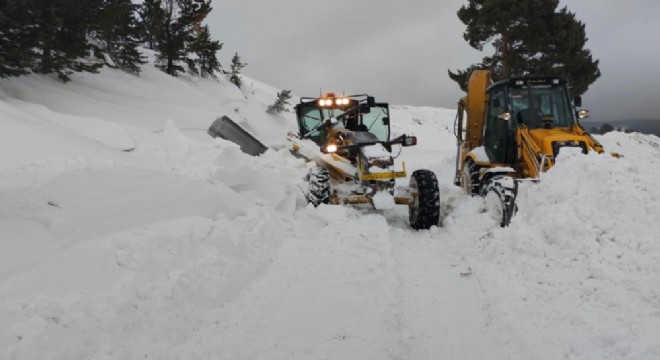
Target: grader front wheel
{"x": 319, "y": 186}
{"x": 424, "y": 207}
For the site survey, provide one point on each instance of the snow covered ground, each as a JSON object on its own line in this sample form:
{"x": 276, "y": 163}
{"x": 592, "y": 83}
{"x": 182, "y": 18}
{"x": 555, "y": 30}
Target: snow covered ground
{"x": 126, "y": 232}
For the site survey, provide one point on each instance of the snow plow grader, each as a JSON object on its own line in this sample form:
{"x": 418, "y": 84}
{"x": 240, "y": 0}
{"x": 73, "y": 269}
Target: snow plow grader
{"x": 346, "y": 141}
{"x": 513, "y": 131}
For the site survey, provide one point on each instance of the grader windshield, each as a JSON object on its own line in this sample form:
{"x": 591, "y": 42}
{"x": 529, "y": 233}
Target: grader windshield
{"x": 311, "y": 118}
{"x": 356, "y": 114}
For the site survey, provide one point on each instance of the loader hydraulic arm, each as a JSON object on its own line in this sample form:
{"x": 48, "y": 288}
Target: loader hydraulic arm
{"x": 592, "y": 142}
{"x": 533, "y": 159}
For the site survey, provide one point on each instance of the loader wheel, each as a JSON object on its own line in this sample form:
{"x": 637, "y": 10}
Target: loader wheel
{"x": 500, "y": 193}
{"x": 319, "y": 186}
{"x": 470, "y": 178}
{"x": 424, "y": 207}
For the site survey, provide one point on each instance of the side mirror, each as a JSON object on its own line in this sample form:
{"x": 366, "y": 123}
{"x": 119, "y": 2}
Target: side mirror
{"x": 577, "y": 101}
{"x": 386, "y": 120}
{"x": 409, "y": 141}
{"x": 371, "y": 101}
{"x": 365, "y": 109}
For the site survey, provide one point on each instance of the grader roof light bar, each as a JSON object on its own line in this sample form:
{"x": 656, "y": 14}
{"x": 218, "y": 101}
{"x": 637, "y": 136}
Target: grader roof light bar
{"x": 330, "y": 99}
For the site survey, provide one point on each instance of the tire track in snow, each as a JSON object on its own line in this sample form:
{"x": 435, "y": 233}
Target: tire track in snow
{"x": 443, "y": 309}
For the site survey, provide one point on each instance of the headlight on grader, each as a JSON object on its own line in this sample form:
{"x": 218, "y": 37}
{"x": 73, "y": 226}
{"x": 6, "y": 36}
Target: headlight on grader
{"x": 330, "y": 100}
{"x": 329, "y": 149}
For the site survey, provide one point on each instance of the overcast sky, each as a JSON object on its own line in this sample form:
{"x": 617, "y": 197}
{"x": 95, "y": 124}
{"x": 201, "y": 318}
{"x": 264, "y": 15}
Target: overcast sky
{"x": 399, "y": 51}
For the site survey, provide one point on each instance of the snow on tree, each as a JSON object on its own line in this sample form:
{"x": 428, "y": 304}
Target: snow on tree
{"x": 179, "y": 21}
{"x": 119, "y": 34}
{"x": 204, "y": 60}
{"x": 281, "y": 103}
{"x": 235, "y": 70}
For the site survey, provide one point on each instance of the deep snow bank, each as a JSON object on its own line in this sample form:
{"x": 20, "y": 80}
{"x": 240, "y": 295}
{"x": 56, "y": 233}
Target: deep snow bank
{"x": 579, "y": 263}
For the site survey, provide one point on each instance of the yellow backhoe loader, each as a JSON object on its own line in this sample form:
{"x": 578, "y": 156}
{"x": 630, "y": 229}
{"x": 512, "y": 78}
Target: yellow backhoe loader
{"x": 512, "y": 130}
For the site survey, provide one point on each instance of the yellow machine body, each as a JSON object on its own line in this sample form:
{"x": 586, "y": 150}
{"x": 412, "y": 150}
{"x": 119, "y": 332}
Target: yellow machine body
{"x": 531, "y": 149}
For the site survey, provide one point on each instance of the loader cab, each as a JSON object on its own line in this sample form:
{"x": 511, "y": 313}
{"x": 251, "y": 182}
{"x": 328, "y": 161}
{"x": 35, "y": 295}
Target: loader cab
{"x": 543, "y": 103}
{"x": 534, "y": 103}
{"x": 354, "y": 113}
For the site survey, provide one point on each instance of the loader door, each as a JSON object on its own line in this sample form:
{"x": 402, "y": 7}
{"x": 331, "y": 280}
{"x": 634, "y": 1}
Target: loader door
{"x": 498, "y": 134}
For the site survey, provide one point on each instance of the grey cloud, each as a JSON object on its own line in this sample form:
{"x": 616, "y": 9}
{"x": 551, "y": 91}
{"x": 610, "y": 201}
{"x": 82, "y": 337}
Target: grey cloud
{"x": 400, "y": 51}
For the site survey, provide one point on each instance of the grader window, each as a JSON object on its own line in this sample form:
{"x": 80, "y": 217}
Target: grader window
{"x": 310, "y": 119}
{"x": 377, "y": 122}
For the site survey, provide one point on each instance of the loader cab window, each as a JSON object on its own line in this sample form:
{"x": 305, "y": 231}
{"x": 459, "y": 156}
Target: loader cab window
{"x": 531, "y": 105}
{"x": 498, "y": 134}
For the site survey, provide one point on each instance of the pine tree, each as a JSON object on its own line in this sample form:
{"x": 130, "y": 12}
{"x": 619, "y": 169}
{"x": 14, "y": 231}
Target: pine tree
{"x": 529, "y": 38}
{"x": 181, "y": 19}
{"x": 235, "y": 70}
{"x": 60, "y": 30}
{"x": 151, "y": 20}
{"x": 281, "y": 103}
{"x": 16, "y": 43}
{"x": 119, "y": 34}
{"x": 204, "y": 50}
{"x": 461, "y": 76}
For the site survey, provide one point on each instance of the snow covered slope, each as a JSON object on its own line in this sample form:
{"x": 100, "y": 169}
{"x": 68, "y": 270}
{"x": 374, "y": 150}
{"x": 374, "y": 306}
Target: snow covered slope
{"x": 126, "y": 232}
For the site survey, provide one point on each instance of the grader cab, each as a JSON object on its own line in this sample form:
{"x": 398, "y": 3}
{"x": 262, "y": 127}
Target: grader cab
{"x": 347, "y": 141}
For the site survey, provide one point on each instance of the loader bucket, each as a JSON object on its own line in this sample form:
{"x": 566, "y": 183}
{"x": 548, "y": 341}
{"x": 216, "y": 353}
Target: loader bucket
{"x": 227, "y": 129}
